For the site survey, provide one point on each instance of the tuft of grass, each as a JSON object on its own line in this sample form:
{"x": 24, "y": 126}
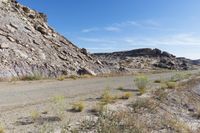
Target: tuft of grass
{"x": 180, "y": 76}
{"x": 2, "y": 129}
{"x": 31, "y": 77}
{"x": 58, "y": 99}
{"x": 98, "y": 108}
{"x": 171, "y": 85}
{"x": 126, "y": 95}
{"x": 120, "y": 88}
{"x": 61, "y": 78}
{"x": 74, "y": 77}
{"x": 78, "y": 106}
{"x": 141, "y": 82}
{"x": 85, "y": 76}
{"x": 158, "y": 81}
{"x": 106, "y": 97}
{"x": 35, "y": 115}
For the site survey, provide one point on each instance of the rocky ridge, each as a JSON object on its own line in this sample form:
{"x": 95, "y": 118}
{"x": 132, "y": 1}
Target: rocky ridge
{"x": 145, "y": 58}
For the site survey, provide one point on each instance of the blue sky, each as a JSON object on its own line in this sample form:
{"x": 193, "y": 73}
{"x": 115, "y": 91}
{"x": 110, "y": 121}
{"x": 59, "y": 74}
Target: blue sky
{"x": 113, "y": 25}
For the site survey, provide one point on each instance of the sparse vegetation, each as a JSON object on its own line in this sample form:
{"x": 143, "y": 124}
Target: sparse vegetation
{"x": 106, "y": 97}
{"x": 35, "y": 115}
{"x": 1, "y": 129}
{"x": 74, "y": 77}
{"x": 171, "y": 85}
{"x": 126, "y": 95}
{"x": 141, "y": 82}
{"x": 61, "y": 78}
{"x": 31, "y": 77}
{"x": 78, "y": 106}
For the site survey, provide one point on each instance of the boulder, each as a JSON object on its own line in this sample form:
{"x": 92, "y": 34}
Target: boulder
{"x": 4, "y": 46}
{"x": 85, "y": 70}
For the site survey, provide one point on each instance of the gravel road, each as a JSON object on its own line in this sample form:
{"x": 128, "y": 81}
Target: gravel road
{"x": 23, "y": 93}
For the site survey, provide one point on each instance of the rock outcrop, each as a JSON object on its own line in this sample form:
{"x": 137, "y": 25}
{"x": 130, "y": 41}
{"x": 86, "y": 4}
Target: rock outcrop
{"x": 142, "y": 59}
{"x": 29, "y": 46}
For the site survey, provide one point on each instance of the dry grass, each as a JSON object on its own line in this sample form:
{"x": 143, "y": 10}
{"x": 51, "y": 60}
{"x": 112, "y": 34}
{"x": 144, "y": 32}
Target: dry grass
{"x": 61, "y": 78}
{"x": 2, "y": 129}
{"x": 141, "y": 82}
{"x": 78, "y": 106}
{"x": 31, "y": 77}
{"x": 106, "y": 97}
{"x": 126, "y": 95}
{"x": 35, "y": 115}
{"x": 171, "y": 85}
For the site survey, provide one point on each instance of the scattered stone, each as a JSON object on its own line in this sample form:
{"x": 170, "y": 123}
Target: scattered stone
{"x": 84, "y": 71}
{"x": 4, "y": 45}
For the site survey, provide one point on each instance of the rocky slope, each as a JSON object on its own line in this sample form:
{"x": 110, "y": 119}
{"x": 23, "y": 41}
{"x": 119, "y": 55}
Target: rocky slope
{"x": 28, "y": 46}
{"x": 142, "y": 59}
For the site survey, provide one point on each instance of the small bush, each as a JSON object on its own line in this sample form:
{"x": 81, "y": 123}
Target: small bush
{"x": 180, "y": 76}
{"x": 61, "y": 78}
{"x": 2, "y": 129}
{"x": 141, "y": 82}
{"x": 58, "y": 99}
{"x": 171, "y": 85}
{"x": 106, "y": 97}
{"x": 74, "y": 77}
{"x": 31, "y": 77}
{"x": 78, "y": 106}
{"x": 35, "y": 115}
{"x": 98, "y": 108}
{"x": 120, "y": 88}
{"x": 158, "y": 81}
{"x": 126, "y": 95}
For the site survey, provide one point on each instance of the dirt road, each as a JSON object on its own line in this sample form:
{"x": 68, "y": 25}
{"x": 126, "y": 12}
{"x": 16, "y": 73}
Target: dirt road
{"x": 23, "y": 93}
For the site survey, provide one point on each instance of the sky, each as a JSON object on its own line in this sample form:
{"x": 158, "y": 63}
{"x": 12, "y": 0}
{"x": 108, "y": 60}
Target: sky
{"x": 116, "y": 25}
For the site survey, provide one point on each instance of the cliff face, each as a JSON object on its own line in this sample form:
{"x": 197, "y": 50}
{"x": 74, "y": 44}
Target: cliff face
{"x": 29, "y": 46}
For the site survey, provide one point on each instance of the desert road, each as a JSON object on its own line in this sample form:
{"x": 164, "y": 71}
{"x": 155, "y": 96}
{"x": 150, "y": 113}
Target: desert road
{"x": 31, "y": 92}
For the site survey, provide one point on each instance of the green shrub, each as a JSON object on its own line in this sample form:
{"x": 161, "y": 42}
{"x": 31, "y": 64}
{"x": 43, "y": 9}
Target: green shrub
{"x": 171, "y": 85}
{"x": 141, "y": 82}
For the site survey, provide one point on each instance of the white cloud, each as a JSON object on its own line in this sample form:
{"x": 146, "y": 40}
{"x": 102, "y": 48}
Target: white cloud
{"x": 112, "y": 29}
{"x": 90, "y": 30}
{"x": 115, "y": 27}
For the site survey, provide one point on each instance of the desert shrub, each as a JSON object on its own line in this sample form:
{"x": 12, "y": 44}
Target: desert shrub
{"x": 158, "y": 81}
{"x": 120, "y": 88}
{"x": 114, "y": 122}
{"x": 1, "y": 129}
{"x": 61, "y": 78}
{"x": 74, "y": 77}
{"x": 141, "y": 82}
{"x": 98, "y": 108}
{"x": 78, "y": 106}
{"x": 126, "y": 95}
{"x": 171, "y": 85}
{"x": 31, "y": 77}
{"x": 35, "y": 115}
{"x": 106, "y": 97}
{"x": 85, "y": 76}
{"x": 180, "y": 76}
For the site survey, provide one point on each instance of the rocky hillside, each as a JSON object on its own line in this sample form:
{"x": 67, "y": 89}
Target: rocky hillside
{"x": 196, "y": 62}
{"x": 29, "y": 46}
{"x": 142, "y": 59}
